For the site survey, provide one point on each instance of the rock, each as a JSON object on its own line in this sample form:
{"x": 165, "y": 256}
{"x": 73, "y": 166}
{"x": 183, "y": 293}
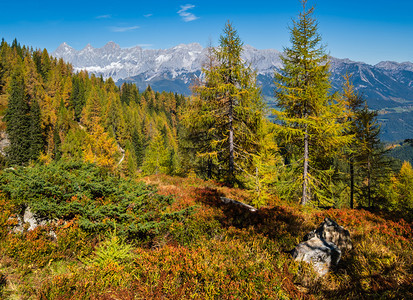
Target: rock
{"x": 30, "y": 218}
{"x": 330, "y": 231}
{"x": 4, "y": 142}
{"x": 320, "y": 253}
{"x": 323, "y": 246}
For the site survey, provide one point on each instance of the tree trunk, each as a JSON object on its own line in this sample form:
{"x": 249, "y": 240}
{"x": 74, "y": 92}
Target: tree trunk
{"x": 304, "y": 199}
{"x": 351, "y": 181}
{"x": 368, "y": 181}
{"x": 231, "y": 142}
{"x": 209, "y": 167}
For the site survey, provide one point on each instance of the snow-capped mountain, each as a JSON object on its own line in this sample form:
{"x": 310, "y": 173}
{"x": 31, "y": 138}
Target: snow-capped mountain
{"x": 387, "y": 86}
{"x": 113, "y": 61}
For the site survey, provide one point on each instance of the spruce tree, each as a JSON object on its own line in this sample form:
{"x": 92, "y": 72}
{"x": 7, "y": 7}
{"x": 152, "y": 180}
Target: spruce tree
{"x": 370, "y": 156}
{"x": 36, "y": 133}
{"x": 311, "y": 119}
{"x": 18, "y": 121}
{"x": 78, "y": 95}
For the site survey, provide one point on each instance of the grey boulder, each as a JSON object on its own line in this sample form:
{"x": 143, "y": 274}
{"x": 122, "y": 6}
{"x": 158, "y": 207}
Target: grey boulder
{"x": 321, "y": 254}
{"x": 323, "y": 246}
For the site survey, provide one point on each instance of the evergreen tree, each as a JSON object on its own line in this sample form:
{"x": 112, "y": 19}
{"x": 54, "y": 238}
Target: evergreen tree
{"x": 36, "y": 134}
{"x": 16, "y": 46}
{"x": 373, "y": 164}
{"x": 18, "y": 121}
{"x": 232, "y": 113}
{"x": 46, "y": 65}
{"x": 129, "y": 92}
{"x": 78, "y": 95}
{"x": 312, "y": 121}
{"x": 138, "y": 147}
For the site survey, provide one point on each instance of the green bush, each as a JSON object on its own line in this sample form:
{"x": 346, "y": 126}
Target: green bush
{"x": 99, "y": 200}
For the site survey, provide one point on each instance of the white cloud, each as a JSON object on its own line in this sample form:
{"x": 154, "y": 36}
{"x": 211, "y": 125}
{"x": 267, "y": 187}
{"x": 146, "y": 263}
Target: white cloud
{"x": 104, "y": 17}
{"x": 123, "y": 29}
{"x": 187, "y": 16}
{"x": 148, "y": 15}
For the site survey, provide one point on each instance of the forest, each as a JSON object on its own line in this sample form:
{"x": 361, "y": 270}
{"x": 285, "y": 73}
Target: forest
{"x": 128, "y": 183}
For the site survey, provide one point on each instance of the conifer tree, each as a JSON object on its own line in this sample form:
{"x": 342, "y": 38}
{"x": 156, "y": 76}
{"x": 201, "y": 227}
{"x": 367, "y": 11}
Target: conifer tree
{"x": 370, "y": 155}
{"x": 36, "y": 134}
{"x": 399, "y": 192}
{"x": 92, "y": 111}
{"x": 311, "y": 119}
{"x": 232, "y": 112}
{"x": 78, "y": 95}
{"x": 138, "y": 146}
{"x": 157, "y": 156}
{"x": 354, "y": 103}
{"x": 18, "y": 121}
{"x": 46, "y": 64}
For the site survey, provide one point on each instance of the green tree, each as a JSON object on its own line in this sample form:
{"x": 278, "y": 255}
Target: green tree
{"x": 18, "y": 121}
{"x": 157, "y": 156}
{"x": 232, "y": 113}
{"x": 45, "y": 65}
{"x": 36, "y": 133}
{"x": 372, "y": 163}
{"x": 138, "y": 146}
{"x": 312, "y": 120}
{"x": 400, "y": 193}
{"x": 354, "y": 104}
{"x": 78, "y": 95}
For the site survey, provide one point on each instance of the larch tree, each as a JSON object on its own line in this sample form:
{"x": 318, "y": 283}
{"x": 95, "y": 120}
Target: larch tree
{"x": 156, "y": 157}
{"x": 355, "y": 104}
{"x": 232, "y": 109}
{"x": 311, "y": 119}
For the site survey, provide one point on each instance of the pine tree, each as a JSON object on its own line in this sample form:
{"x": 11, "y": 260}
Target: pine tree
{"x": 232, "y": 111}
{"x": 311, "y": 119}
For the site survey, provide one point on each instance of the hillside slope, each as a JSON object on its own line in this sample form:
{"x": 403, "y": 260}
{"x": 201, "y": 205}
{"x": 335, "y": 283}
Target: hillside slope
{"x": 200, "y": 248}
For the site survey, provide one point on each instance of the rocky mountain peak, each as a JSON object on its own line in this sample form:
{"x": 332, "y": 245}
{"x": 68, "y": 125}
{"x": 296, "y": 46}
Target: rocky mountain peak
{"x": 111, "y": 46}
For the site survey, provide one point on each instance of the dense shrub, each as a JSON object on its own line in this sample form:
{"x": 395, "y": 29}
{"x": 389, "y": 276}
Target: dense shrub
{"x": 99, "y": 200}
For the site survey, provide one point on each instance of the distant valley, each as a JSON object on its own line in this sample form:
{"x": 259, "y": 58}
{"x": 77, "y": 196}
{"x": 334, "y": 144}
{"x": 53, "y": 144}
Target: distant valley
{"x": 387, "y": 86}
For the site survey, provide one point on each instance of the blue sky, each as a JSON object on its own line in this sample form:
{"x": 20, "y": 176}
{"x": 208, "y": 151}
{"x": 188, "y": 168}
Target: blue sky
{"x": 362, "y": 30}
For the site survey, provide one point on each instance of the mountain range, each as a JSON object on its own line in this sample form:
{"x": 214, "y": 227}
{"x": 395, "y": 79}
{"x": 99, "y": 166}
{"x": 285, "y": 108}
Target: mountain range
{"x": 387, "y": 86}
